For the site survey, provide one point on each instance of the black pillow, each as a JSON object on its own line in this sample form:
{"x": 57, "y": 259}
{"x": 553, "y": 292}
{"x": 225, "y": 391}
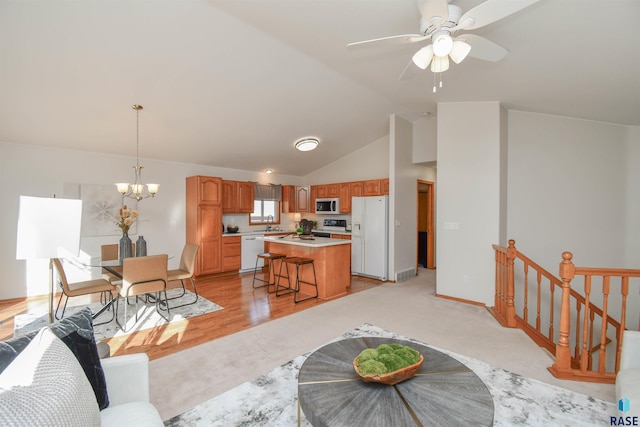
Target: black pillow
{"x": 76, "y": 331}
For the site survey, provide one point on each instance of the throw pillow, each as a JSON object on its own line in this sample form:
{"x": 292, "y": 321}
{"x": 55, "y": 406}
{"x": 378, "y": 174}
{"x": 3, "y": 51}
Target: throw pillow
{"x": 45, "y": 385}
{"x": 76, "y": 331}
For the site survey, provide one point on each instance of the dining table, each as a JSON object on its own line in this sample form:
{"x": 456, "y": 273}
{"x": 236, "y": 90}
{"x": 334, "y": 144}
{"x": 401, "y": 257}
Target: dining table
{"x": 113, "y": 266}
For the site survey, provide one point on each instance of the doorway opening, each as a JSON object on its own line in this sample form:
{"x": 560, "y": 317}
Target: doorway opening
{"x": 426, "y": 238}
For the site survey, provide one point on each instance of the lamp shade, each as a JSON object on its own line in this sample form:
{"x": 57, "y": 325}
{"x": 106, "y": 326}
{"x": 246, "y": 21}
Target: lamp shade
{"x": 459, "y": 51}
{"x": 422, "y": 58}
{"x": 48, "y": 227}
{"x": 440, "y": 64}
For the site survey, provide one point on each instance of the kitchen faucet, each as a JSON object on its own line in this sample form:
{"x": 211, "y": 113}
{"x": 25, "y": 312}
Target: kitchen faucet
{"x": 269, "y": 222}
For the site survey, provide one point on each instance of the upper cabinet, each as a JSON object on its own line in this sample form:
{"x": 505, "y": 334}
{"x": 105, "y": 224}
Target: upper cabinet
{"x": 345, "y": 197}
{"x": 371, "y": 187}
{"x": 296, "y": 198}
{"x": 302, "y": 198}
{"x": 384, "y": 186}
{"x": 237, "y": 196}
{"x": 209, "y": 189}
{"x": 356, "y": 188}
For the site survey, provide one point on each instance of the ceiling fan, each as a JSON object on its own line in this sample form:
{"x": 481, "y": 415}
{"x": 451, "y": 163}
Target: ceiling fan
{"x": 438, "y": 23}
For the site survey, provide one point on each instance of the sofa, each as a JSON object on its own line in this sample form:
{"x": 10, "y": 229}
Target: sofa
{"x": 54, "y": 377}
{"x": 628, "y": 377}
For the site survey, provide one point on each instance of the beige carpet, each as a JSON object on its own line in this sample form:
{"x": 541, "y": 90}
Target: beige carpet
{"x": 185, "y": 379}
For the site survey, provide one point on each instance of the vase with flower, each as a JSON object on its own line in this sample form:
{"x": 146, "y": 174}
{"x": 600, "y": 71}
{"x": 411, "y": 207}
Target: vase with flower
{"x": 125, "y": 219}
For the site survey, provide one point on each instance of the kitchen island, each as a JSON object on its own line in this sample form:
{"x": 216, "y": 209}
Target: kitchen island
{"x": 332, "y": 259}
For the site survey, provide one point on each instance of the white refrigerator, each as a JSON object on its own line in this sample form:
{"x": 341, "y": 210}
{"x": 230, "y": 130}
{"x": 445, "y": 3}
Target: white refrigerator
{"x": 370, "y": 236}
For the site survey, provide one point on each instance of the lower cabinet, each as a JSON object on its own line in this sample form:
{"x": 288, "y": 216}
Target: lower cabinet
{"x": 341, "y": 236}
{"x": 231, "y": 251}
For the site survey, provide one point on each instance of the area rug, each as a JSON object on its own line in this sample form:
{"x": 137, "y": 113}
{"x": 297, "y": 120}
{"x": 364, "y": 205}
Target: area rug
{"x": 148, "y": 317}
{"x": 271, "y": 399}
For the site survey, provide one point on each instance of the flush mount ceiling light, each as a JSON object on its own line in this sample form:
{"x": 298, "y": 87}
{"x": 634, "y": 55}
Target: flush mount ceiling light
{"x": 137, "y": 190}
{"x": 268, "y": 171}
{"x": 307, "y": 144}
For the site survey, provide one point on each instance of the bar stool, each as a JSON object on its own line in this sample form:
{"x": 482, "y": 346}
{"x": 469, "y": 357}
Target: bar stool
{"x": 269, "y": 259}
{"x": 298, "y": 262}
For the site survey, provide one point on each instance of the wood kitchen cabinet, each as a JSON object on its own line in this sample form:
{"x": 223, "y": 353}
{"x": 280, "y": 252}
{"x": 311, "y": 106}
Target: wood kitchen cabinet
{"x": 204, "y": 222}
{"x": 356, "y": 188}
{"x": 384, "y": 186}
{"x": 231, "y": 253}
{"x": 322, "y": 191}
{"x": 302, "y": 198}
{"x": 295, "y": 198}
{"x": 371, "y": 187}
{"x": 313, "y": 195}
{"x": 345, "y": 197}
{"x": 237, "y": 196}
{"x": 333, "y": 190}
{"x": 341, "y": 236}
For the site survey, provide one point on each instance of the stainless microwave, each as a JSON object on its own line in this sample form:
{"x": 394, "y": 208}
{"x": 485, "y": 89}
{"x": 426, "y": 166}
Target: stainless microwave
{"x": 328, "y": 206}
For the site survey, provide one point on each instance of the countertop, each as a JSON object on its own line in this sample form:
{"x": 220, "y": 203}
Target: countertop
{"x": 318, "y": 242}
{"x": 256, "y": 233}
{"x": 267, "y": 233}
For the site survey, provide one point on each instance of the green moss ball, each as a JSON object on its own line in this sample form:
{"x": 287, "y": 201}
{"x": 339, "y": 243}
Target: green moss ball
{"x": 385, "y": 349}
{"x": 409, "y": 355}
{"x": 392, "y": 361}
{"x": 367, "y": 354}
{"x": 372, "y": 367}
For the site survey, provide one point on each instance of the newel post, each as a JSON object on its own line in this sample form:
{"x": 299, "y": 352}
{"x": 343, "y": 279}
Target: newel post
{"x": 511, "y": 308}
{"x": 563, "y": 352}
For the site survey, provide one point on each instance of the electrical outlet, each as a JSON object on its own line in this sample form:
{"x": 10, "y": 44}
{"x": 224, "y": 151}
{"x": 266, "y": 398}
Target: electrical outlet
{"x": 465, "y": 278}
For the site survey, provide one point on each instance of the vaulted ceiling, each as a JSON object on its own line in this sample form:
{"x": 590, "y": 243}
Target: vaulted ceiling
{"x": 234, "y": 83}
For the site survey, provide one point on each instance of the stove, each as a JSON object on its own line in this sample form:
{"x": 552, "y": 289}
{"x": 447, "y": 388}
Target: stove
{"x": 334, "y": 225}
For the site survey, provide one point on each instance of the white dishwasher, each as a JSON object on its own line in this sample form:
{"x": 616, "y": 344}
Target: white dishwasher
{"x": 250, "y": 247}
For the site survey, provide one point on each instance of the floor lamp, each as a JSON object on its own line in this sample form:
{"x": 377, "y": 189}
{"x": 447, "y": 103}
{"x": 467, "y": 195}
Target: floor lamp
{"x": 48, "y": 228}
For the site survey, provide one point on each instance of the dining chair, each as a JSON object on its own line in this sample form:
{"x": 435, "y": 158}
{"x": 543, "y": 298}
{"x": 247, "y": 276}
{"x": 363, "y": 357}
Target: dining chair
{"x": 87, "y": 287}
{"x": 185, "y": 271}
{"x": 108, "y": 253}
{"x": 141, "y": 276}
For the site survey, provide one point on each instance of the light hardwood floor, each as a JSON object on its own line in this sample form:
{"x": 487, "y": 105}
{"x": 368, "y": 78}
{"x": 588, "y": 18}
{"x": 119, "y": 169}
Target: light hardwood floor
{"x": 244, "y": 307}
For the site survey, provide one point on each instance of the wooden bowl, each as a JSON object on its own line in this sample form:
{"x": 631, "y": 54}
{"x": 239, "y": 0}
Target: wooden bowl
{"x": 391, "y": 378}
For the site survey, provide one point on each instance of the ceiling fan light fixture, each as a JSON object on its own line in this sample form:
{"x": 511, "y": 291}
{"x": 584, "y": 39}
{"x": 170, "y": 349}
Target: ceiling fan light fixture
{"x": 307, "y": 144}
{"x": 422, "y": 58}
{"x": 442, "y": 43}
{"x": 459, "y": 51}
{"x": 440, "y": 64}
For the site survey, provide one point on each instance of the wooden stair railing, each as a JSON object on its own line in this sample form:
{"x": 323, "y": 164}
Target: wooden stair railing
{"x": 595, "y": 331}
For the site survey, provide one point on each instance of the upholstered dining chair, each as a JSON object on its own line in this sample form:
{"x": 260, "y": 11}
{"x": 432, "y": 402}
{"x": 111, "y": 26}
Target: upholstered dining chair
{"x": 186, "y": 271}
{"x": 140, "y": 276}
{"x": 87, "y": 287}
{"x": 110, "y": 252}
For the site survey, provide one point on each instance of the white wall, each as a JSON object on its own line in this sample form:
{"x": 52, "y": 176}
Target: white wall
{"x": 425, "y": 148}
{"x": 632, "y": 249}
{"x": 369, "y": 162}
{"x": 403, "y": 200}
{"x": 469, "y": 185}
{"x": 569, "y": 186}
{"x": 41, "y": 171}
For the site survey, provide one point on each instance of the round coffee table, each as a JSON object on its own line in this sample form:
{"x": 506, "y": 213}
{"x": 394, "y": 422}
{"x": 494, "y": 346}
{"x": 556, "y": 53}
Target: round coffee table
{"x": 443, "y": 392}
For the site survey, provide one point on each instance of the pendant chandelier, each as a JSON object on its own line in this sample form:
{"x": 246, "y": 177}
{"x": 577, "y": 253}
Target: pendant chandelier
{"x": 137, "y": 190}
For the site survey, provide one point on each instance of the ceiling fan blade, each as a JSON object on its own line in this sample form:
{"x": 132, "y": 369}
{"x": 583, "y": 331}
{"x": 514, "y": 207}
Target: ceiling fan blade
{"x": 410, "y": 71}
{"x": 388, "y": 41}
{"x": 482, "y": 48}
{"x": 434, "y": 11}
{"x": 490, "y": 11}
